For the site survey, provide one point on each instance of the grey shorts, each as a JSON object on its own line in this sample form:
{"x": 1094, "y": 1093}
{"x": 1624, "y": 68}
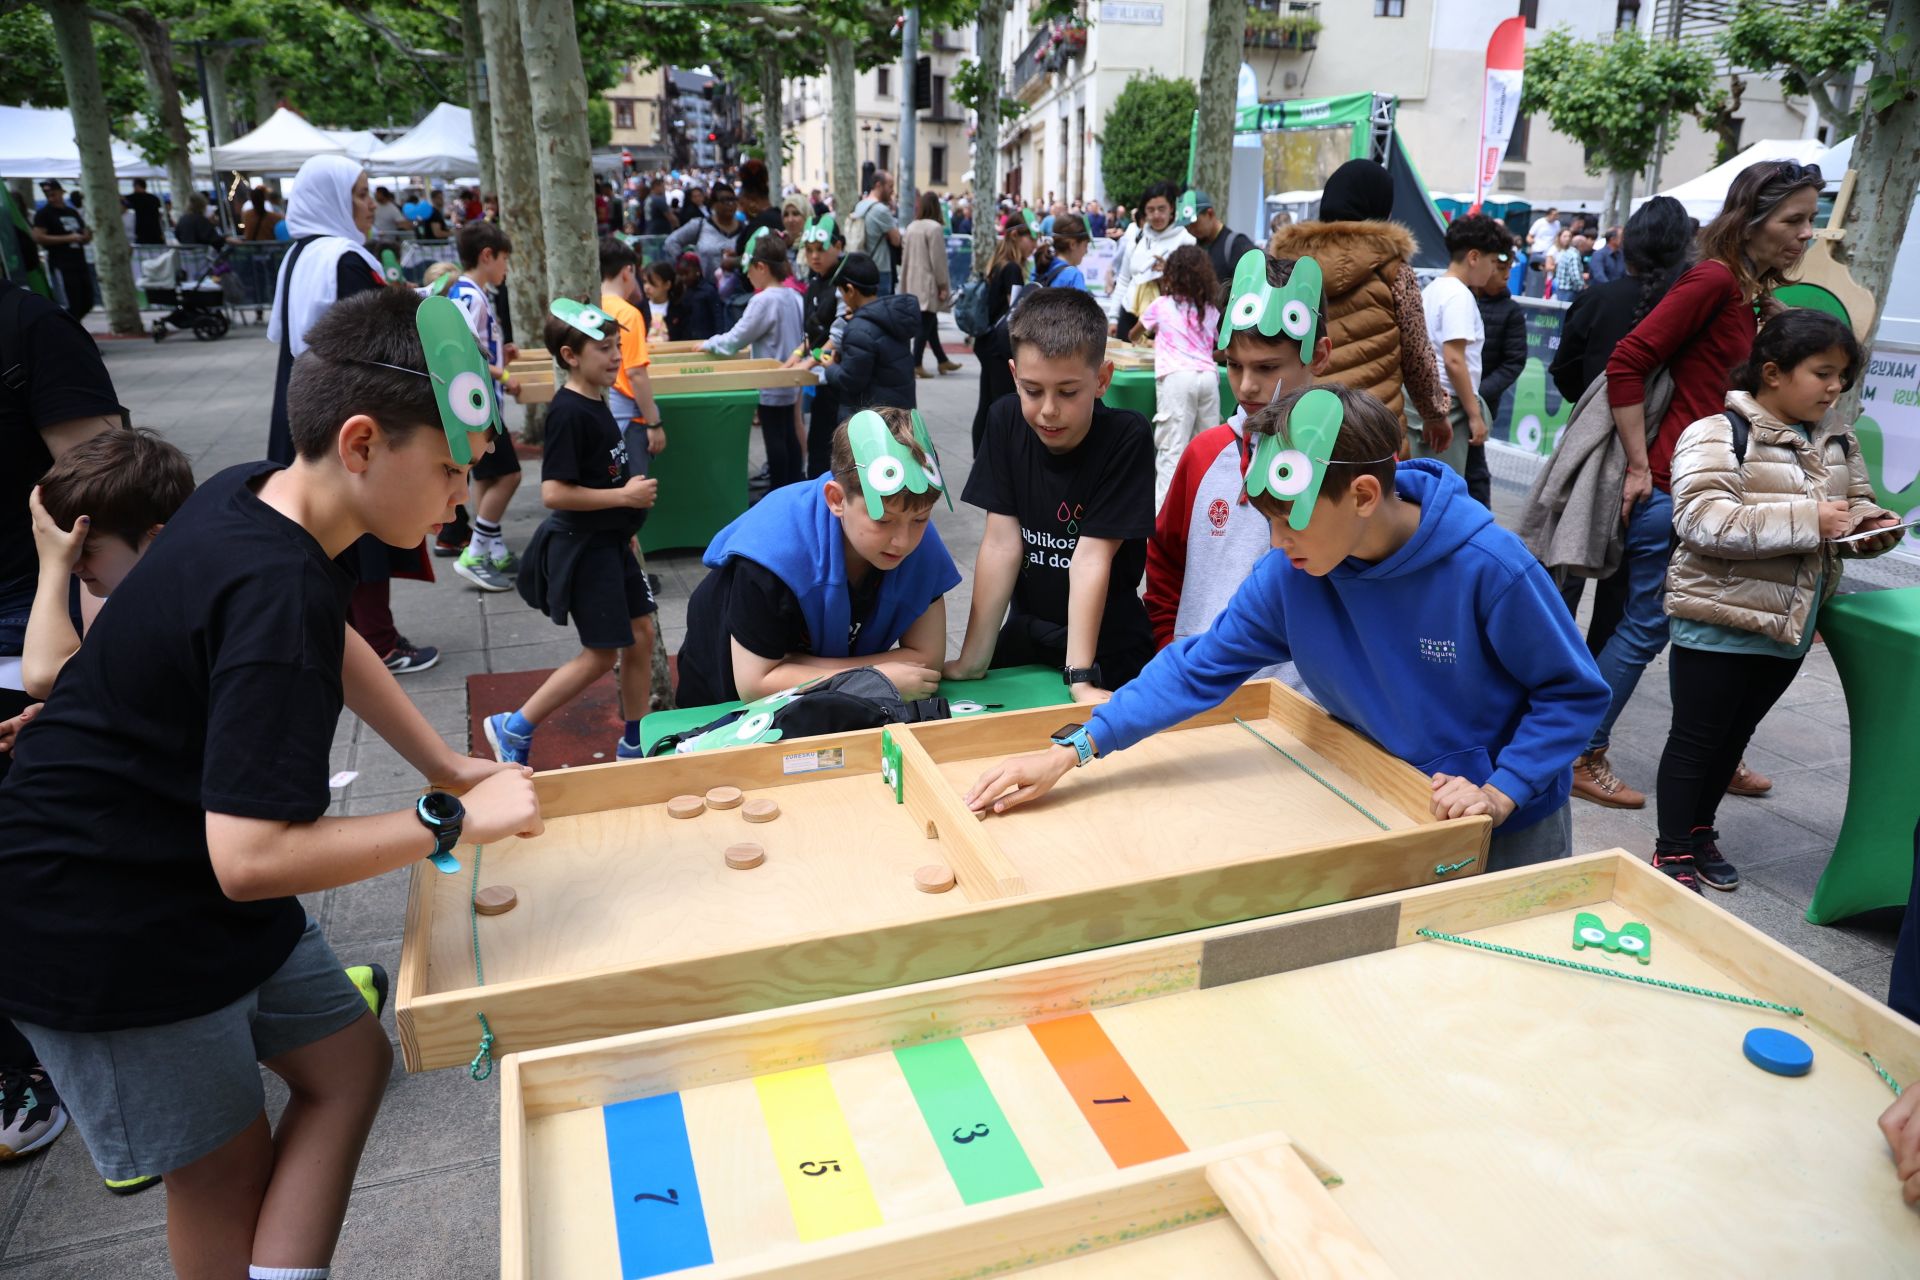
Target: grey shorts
{"x": 149, "y": 1100}
{"x": 1549, "y": 838}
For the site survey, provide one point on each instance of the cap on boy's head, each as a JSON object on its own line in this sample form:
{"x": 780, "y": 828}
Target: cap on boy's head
{"x": 884, "y": 453}
{"x": 1282, "y": 310}
{"x": 363, "y": 356}
{"x": 125, "y": 481}
{"x": 858, "y": 271}
{"x": 1060, "y": 323}
{"x": 1314, "y": 443}
{"x": 476, "y": 238}
{"x": 51, "y": 185}
{"x": 1192, "y": 201}
{"x": 616, "y": 255}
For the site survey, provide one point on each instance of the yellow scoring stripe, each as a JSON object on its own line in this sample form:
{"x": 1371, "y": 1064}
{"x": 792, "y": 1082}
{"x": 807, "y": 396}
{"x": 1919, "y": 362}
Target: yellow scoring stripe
{"x": 827, "y": 1185}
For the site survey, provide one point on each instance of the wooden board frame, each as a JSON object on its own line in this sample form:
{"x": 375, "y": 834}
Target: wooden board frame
{"x": 1001, "y": 922}
{"x": 548, "y": 1082}
{"x": 677, "y": 375}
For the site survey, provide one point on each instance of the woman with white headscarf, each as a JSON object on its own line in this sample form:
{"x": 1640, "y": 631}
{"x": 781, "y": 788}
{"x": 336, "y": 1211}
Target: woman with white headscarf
{"x": 328, "y": 217}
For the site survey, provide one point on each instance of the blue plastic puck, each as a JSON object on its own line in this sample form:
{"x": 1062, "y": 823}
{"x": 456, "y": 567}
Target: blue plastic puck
{"x": 1781, "y": 1052}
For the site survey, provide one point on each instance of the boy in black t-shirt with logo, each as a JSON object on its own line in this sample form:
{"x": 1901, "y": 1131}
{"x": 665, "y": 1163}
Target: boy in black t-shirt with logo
{"x": 166, "y": 807}
{"x": 1067, "y": 484}
{"x": 580, "y": 563}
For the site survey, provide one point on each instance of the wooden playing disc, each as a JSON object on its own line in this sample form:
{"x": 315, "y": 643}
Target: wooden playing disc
{"x": 495, "y": 900}
{"x": 686, "y": 807}
{"x": 933, "y": 878}
{"x": 760, "y": 811}
{"x": 745, "y": 855}
{"x": 725, "y": 798}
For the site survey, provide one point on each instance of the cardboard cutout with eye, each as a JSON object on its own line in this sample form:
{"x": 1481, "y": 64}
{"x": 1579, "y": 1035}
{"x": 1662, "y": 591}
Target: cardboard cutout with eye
{"x": 462, "y": 383}
{"x": 753, "y": 242}
{"x": 1291, "y": 472}
{"x": 390, "y": 267}
{"x": 1292, "y": 309}
{"x": 585, "y": 317}
{"x": 1188, "y": 208}
{"x": 886, "y": 466}
{"x": 819, "y": 230}
{"x": 440, "y": 285}
{"x": 1633, "y": 938}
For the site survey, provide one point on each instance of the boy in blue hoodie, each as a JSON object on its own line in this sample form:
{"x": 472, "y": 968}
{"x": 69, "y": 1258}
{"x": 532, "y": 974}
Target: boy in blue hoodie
{"x": 1413, "y": 616}
{"x": 819, "y": 577}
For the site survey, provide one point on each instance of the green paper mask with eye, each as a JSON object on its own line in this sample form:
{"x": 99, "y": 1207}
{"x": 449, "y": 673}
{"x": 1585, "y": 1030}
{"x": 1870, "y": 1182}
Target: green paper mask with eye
{"x": 585, "y": 317}
{"x": 390, "y": 266}
{"x": 1292, "y": 472}
{"x": 1189, "y": 208}
{"x": 1033, "y": 223}
{"x": 462, "y": 383}
{"x": 753, "y": 242}
{"x": 440, "y": 285}
{"x": 886, "y": 466}
{"x": 1292, "y": 309}
{"x": 819, "y": 231}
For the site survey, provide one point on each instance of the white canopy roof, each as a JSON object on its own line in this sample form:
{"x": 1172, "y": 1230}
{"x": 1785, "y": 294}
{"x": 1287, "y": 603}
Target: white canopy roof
{"x": 37, "y": 143}
{"x": 1703, "y": 196}
{"x": 281, "y": 145}
{"x": 359, "y": 143}
{"x": 440, "y": 146}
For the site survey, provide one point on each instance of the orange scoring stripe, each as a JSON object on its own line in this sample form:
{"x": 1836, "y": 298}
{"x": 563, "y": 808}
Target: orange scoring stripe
{"x": 1129, "y": 1124}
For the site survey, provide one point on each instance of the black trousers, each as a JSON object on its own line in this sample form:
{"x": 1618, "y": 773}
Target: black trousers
{"x": 786, "y": 459}
{"x": 1609, "y": 605}
{"x": 77, "y": 282}
{"x": 825, "y": 417}
{"x": 929, "y": 337}
{"x": 1719, "y": 699}
{"x": 1479, "y": 476}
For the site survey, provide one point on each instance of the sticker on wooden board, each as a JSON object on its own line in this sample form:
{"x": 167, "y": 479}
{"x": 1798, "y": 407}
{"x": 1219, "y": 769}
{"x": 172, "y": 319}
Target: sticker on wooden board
{"x": 1126, "y": 1119}
{"x": 982, "y": 1153}
{"x": 827, "y": 1187}
{"x": 657, "y": 1213}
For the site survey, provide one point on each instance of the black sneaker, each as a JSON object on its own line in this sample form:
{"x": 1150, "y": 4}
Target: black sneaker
{"x": 1679, "y": 866}
{"x": 408, "y": 657}
{"x": 30, "y": 1112}
{"x": 1714, "y": 871}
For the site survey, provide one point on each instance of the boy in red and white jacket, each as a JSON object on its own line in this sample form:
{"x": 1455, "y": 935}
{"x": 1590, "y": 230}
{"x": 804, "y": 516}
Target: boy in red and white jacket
{"x": 1207, "y": 538}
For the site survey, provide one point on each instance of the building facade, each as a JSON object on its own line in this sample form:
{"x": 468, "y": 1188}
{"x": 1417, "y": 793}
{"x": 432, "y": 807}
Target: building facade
{"x": 1429, "y": 54}
{"x": 639, "y": 108}
{"x": 942, "y": 131}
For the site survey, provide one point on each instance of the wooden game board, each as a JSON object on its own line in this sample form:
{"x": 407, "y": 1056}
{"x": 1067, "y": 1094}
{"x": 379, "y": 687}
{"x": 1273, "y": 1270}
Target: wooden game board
{"x": 629, "y": 919}
{"x": 1484, "y": 1115}
{"x": 678, "y": 376}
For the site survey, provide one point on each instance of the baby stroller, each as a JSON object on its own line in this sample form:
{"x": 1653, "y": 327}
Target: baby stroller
{"x": 198, "y": 306}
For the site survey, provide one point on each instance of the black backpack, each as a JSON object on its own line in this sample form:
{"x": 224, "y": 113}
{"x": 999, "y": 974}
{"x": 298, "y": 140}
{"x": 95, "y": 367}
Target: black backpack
{"x": 860, "y": 698}
{"x": 1742, "y": 429}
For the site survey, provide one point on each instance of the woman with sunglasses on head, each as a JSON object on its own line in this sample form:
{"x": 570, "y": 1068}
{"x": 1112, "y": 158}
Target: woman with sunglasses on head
{"x": 1700, "y": 332}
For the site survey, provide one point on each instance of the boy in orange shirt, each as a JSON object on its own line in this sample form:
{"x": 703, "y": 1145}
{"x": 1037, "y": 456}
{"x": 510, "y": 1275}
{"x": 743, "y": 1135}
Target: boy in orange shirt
{"x": 631, "y": 396}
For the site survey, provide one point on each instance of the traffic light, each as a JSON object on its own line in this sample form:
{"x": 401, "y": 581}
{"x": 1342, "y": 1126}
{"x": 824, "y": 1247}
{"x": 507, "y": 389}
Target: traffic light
{"x": 923, "y": 83}
{"x": 713, "y": 137}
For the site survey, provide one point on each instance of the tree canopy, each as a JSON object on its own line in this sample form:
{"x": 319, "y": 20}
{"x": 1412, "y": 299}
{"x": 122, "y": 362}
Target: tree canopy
{"x": 1615, "y": 96}
{"x": 1146, "y": 136}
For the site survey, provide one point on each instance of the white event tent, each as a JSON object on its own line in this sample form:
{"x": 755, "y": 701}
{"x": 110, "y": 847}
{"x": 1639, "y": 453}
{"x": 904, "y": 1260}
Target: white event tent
{"x": 37, "y": 143}
{"x": 281, "y": 145}
{"x": 1703, "y": 196}
{"x": 440, "y": 146}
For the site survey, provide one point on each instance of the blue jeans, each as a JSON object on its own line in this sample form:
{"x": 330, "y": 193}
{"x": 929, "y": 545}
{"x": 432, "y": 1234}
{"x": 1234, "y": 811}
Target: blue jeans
{"x": 1642, "y": 632}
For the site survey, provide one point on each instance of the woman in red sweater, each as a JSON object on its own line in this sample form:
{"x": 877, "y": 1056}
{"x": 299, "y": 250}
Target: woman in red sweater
{"x": 1701, "y": 331}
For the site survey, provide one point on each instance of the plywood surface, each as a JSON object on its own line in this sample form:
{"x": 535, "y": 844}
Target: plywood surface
{"x": 1489, "y": 1116}
{"x": 1197, "y": 798}
{"x": 634, "y": 886}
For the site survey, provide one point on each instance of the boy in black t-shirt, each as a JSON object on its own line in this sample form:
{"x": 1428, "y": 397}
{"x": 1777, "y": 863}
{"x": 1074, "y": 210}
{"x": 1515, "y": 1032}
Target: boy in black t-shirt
{"x": 1067, "y": 484}
{"x": 166, "y": 807}
{"x": 580, "y": 563}
{"x": 841, "y": 572}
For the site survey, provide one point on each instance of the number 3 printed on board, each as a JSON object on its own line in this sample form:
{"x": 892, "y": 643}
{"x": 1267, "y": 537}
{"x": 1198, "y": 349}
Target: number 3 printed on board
{"x": 963, "y": 1136}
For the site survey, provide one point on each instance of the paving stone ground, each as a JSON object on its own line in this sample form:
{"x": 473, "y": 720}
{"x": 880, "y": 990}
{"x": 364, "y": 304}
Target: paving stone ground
{"x": 426, "y": 1201}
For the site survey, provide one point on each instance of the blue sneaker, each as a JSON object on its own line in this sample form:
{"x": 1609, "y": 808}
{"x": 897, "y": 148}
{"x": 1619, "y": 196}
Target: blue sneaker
{"x": 624, "y": 750}
{"x": 508, "y": 747}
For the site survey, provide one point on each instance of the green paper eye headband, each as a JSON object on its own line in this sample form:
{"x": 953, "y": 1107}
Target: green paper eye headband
{"x": 753, "y": 241}
{"x": 390, "y": 266}
{"x": 1291, "y": 309}
{"x": 1033, "y": 223}
{"x": 1189, "y": 208}
{"x": 462, "y": 384}
{"x": 585, "y": 317}
{"x": 440, "y": 286}
{"x": 818, "y": 232}
{"x": 886, "y": 466}
{"x": 1293, "y": 472}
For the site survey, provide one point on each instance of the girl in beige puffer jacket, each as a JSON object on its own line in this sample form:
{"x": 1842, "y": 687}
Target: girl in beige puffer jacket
{"x": 1759, "y": 549}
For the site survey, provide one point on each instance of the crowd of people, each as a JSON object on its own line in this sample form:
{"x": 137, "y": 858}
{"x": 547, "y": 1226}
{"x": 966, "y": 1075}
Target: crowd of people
{"x": 1330, "y": 526}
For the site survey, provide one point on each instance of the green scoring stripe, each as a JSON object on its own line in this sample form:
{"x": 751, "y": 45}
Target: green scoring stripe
{"x": 983, "y": 1155}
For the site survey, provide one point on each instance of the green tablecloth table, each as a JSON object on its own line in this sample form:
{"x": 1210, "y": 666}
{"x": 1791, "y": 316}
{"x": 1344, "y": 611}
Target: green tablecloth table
{"x": 703, "y": 473}
{"x": 1133, "y": 389}
{"x": 1008, "y": 689}
{"x": 1874, "y": 637}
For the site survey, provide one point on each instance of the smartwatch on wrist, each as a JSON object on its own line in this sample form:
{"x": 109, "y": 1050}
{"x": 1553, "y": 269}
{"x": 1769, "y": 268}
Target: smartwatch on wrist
{"x": 1075, "y": 736}
{"x": 1081, "y": 675}
{"x": 443, "y": 815}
